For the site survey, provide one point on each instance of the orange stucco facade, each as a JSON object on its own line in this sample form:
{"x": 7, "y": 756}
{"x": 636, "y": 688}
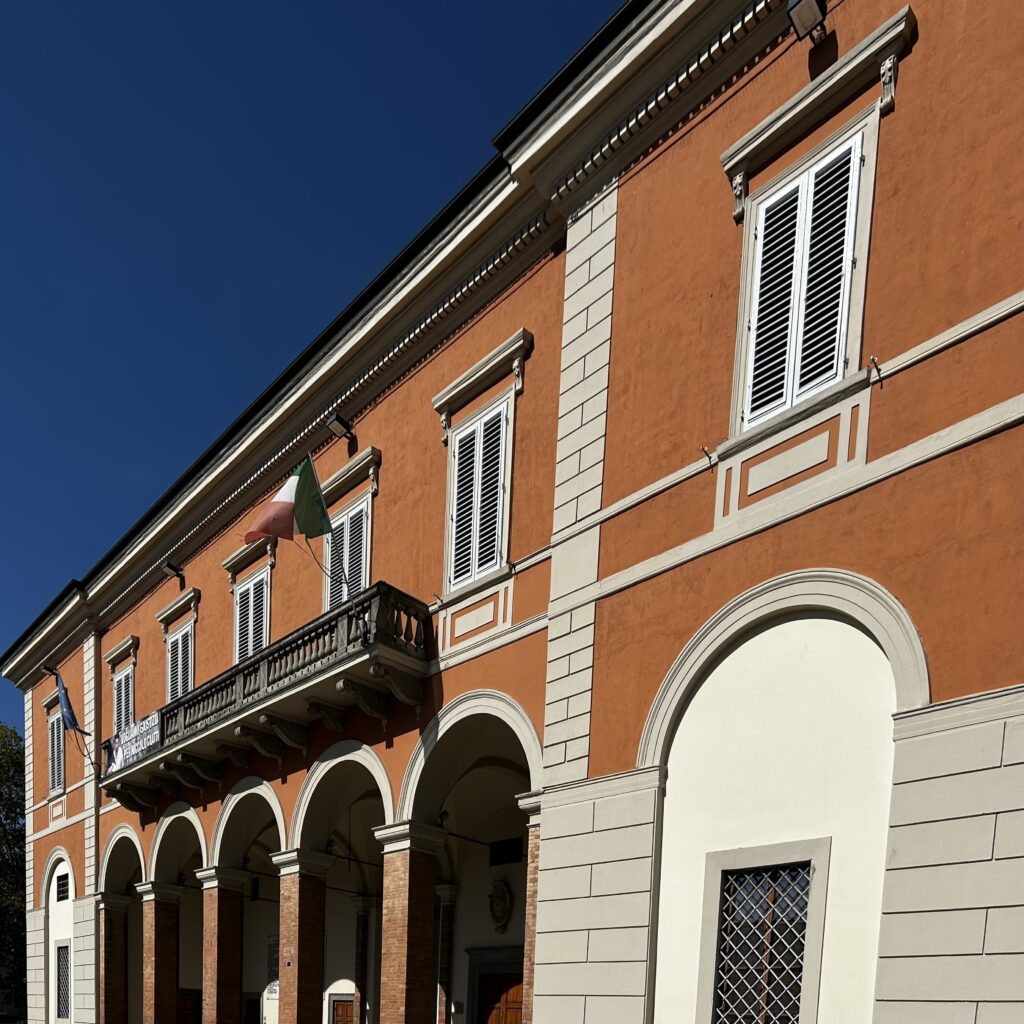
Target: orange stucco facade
{"x": 918, "y": 487}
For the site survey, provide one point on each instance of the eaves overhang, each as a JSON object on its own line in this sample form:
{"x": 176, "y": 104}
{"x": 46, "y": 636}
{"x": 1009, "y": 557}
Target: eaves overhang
{"x": 470, "y": 249}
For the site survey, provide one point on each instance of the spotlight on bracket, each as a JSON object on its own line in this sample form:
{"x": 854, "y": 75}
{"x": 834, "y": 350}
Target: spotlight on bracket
{"x": 341, "y": 428}
{"x": 172, "y": 571}
{"x": 807, "y": 18}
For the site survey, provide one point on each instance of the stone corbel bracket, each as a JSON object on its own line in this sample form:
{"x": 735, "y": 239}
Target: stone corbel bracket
{"x": 185, "y": 603}
{"x": 245, "y": 556}
{"x": 507, "y": 359}
{"x": 876, "y": 57}
{"x": 366, "y": 465}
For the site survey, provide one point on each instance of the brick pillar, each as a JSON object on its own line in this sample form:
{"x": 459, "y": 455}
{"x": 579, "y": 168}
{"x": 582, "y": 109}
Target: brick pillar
{"x": 408, "y": 994}
{"x": 301, "y": 956}
{"x": 446, "y": 892}
{"x": 223, "y": 892}
{"x": 113, "y": 958}
{"x": 363, "y": 906}
{"x": 159, "y": 952}
{"x": 530, "y": 803}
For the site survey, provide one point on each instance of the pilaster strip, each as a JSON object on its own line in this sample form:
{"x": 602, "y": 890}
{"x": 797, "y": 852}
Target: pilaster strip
{"x": 92, "y": 689}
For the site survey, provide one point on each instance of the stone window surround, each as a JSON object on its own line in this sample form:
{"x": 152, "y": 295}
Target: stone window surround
{"x": 817, "y": 851}
{"x": 247, "y": 555}
{"x": 185, "y": 603}
{"x": 877, "y": 55}
{"x": 364, "y": 466}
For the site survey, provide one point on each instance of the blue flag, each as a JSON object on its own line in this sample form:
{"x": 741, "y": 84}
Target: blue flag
{"x": 67, "y": 712}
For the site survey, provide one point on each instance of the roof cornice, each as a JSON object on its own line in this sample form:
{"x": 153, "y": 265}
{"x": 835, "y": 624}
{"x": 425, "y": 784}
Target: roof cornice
{"x": 479, "y": 243}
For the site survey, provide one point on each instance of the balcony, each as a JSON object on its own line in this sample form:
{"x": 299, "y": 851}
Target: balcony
{"x": 364, "y": 654}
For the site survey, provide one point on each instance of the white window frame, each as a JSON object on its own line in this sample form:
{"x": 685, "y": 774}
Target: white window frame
{"x": 818, "y": 852}
{"x": 124, "y": 677}
{"x": 505, "y": 399}
{"x": 863, "y": 129}
{"x": 187, "y": 627}
{"x": 56, "y": 766}
{"x": 362, "y": 503}
{"x": 57, "y": 946}
{"x": 246, "y": 584}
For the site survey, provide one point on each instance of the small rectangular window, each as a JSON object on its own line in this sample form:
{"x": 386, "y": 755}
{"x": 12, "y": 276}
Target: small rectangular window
{"x": 252, "y": 614}
{"x": 63, "y": 982}
{"x": 478, "y": 496}
{"x": 761, "y": 937}
{"x": 800, "y": 293}
{"x": 179, "y": 662}
{"x": 63, "y": 888}
{"x": 124, "y": 699}
{"x": 55, "y": 725}
{"x": 347, "y": 553}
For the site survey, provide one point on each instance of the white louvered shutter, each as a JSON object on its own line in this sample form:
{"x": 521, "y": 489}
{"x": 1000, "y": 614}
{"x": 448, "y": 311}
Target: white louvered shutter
{"x": 56, "y": 729}
{"x": 179, "y": 663}
{"x": 258, "y": 639}
{"x": 773, "y": 312}
{"x": 464, "y": 506}
{"x": 803, "y": 257}
{"x": 243, "y": 621}
{"x": 829, "y": 258}
{"x": 336, "y": 564}
{"x": 492, "y": 462}
{"x": 124, "y": 700}
{"x": 355, "y": 551}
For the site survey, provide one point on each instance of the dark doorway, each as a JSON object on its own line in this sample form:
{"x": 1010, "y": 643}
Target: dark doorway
{"x": 499, "y": 998}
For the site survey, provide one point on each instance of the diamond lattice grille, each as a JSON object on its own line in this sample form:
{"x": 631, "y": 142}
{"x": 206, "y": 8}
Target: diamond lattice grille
{"x": 761, "y": 945}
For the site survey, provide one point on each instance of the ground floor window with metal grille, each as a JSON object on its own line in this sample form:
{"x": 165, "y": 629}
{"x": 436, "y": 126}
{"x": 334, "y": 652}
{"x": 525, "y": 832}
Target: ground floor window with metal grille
{"x": 63, "y": 982}
{"x": 761, "y": 938}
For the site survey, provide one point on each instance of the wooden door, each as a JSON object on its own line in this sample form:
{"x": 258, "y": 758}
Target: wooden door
{"x": 344, "y": 1011}
{"x": 500, "y": 999}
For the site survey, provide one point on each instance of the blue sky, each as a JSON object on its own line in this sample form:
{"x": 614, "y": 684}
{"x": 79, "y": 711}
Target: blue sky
{"x": 190, "y": 192}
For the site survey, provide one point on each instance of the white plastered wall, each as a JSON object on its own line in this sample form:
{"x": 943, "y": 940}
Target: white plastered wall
{"x": 60, "y": 932}
{"x": 789, "y": 738}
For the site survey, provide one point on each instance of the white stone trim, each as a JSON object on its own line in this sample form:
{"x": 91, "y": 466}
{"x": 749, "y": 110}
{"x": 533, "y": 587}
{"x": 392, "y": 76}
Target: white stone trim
{"x": 975, "y": 428}
{"x": 475, "y": 702}
{"x": 853, "y": 596}
{"x": 302, "y": 862}
{"x": 249, "y": 554}
{"x": 251, "y": 785}
{"x": 120, "y": 832}
{"x": 818, "y": 852}
{"x": 127, "y": 648}
{"x": 57, "y": 856}
{"x": 184, "y": 604}
{"x": 364, "y": 466}
{"x": 636, "y": 780}
{"x": 410, "y": 835}
{"x": 506, "y": 359}
{"x": 974, "y": 709}
{"x": 490, "y": 643}
{"x": 342, "y": 752}
{"x": 818, "y": 99}
{"x": 173, "y": 813}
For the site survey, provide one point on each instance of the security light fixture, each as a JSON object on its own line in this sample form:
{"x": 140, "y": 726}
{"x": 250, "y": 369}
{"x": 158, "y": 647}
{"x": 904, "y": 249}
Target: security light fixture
{"x": 341, "y": 428}
{"x": 172, "y": 571}
{"x": 807, "y": 17}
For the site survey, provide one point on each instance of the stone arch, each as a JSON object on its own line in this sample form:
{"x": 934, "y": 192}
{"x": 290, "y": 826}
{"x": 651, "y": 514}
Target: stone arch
{"x": 177, "y": 812}
{"x": 58, "y": 855}
{"x": 476, "y": 702}
{"x": 351, "y": 751}
{"x": 121, "y": 832}
{"x": 848, "y": 595}
{"x": 252, "y": 785}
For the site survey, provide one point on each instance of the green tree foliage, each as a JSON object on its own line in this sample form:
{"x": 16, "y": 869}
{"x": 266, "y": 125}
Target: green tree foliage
{"x": 12, "y": 871}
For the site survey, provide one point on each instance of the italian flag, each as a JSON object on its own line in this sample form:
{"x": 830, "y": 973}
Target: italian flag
{"x": 298, "y": 508}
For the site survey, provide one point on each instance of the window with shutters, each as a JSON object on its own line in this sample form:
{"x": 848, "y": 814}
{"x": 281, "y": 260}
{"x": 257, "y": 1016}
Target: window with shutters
{"x": 180, "y": 655}
{"x": 55, "y": 727}
{"x": 478, "y": 497}
{"x": 124, "y": 699}
{"x": 347, "y": 553}
{"x": 252, "y": 614}
{"x": 802, "y": 268}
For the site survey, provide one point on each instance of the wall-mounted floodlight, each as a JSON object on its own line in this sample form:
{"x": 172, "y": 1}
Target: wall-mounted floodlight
{"x": 172, "y": 571}
{"x": 807, "y": 17}
{"x": 341, "y": 428}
